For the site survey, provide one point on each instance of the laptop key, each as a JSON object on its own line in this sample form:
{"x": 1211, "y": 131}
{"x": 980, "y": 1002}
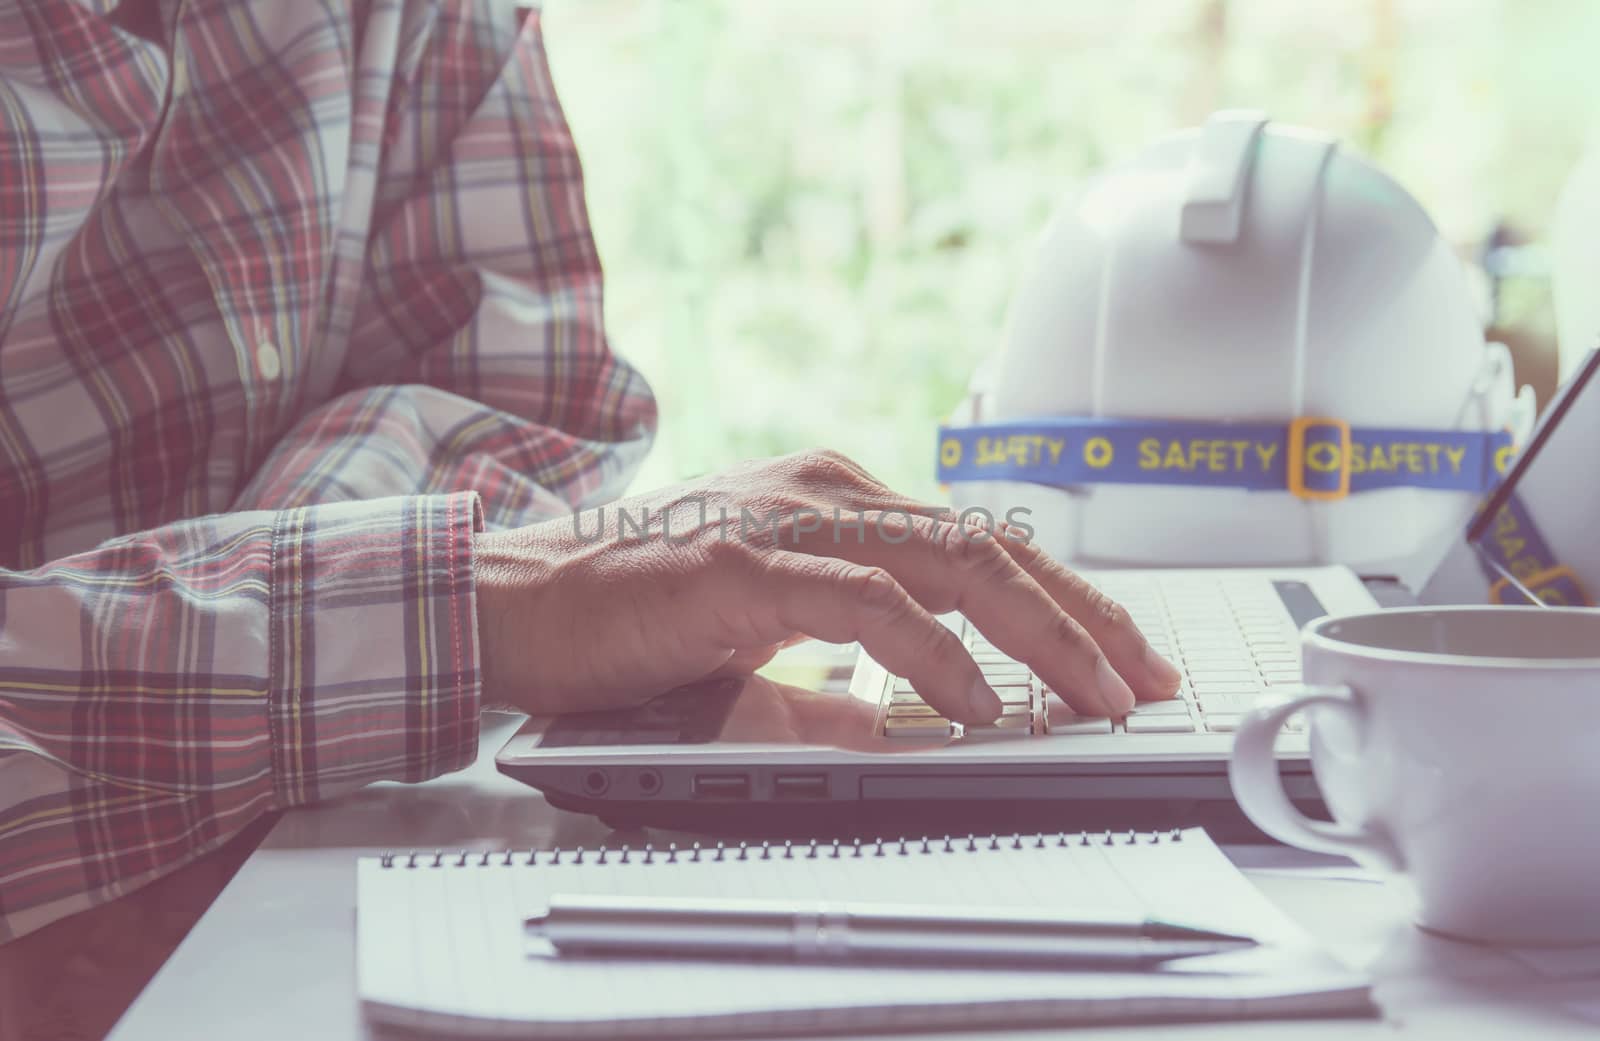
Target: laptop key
{"x": 908, "y": 711}
{"x": 1219, "y": 687}
{"x": 1227, "y": 702}
{"x": 1175, "y": 707}
{"x": 1222, "y": 675}
{"x": 1138, "y": 724}
{"x": 1005, "y": 670}
{"x": 1235, "y": 648}
{"x": 905, "y": 697}
{"x": 1206, "y": 668}
{"x": 1081, "y": 725}
{"x": 926, "y": 728}
{"x": 1060, "y": 719}
{"x": 1003, "y": 729}
{"x": 1222, "y": 722}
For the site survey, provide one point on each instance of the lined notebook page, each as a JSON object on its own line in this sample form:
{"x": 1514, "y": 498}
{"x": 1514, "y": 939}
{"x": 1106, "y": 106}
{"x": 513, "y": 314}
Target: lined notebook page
{"x": 442, "y": 947}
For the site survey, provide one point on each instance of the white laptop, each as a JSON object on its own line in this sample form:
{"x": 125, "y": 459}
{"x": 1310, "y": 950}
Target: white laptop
{"x": 754, "y": 752}
{"x": 729, "y": 751}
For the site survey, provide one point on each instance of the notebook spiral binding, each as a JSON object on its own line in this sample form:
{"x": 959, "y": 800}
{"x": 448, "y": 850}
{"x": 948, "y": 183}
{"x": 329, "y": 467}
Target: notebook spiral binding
{"x": 649, "y": 854}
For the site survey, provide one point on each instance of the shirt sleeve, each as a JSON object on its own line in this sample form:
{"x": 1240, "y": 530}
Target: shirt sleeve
{"x": 161, "y": 691}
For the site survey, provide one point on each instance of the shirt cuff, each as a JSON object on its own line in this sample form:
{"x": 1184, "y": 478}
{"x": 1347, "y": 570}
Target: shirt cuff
{"x": 373, "y": 648}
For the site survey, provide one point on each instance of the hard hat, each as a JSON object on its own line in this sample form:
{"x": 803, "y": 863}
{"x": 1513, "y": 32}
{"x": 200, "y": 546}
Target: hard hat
{"x": 1246, "y": 346}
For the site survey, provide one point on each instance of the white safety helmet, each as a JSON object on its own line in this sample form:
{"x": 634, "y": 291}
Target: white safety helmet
{"x": 1237, "y": 295}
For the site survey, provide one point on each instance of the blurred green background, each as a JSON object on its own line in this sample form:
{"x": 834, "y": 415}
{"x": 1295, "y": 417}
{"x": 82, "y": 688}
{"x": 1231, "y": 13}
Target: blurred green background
{"x": 812, "y": 212}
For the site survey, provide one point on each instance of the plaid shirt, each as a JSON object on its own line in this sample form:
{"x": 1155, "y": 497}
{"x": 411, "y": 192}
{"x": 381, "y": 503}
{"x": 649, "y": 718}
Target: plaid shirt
{"x": 293, "y": 298}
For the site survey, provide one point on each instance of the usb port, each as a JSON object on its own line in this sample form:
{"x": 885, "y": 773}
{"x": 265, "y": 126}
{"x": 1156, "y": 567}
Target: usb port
{"x": 800, "y": 786}
{"x": 721, "y": 786}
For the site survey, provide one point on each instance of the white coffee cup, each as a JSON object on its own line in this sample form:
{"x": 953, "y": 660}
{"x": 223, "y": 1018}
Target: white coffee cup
{"x": 1458, "y": 746}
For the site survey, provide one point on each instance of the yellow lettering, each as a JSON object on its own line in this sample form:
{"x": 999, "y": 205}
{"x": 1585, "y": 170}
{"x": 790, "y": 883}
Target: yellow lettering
{"x": 991, "y": 450}
{"x": 1502, "y": 458}
{"x": 1377, "y": 462}
{"x": 1553, "y": 596}
{"x": 1216, "y": 455}
{"x": 1097, "y": 452}
{"x": 1413, "y": 454}
{"x": 1358, "y": 458}
{"x": 1057, "y": 445}
{"x": 950, "y": 452}
{"x": 1512, "y": 544}
{"x": 1455, "y": 454}
{"x": 1323, "y": 457}
{"x": 1433, "y": 458}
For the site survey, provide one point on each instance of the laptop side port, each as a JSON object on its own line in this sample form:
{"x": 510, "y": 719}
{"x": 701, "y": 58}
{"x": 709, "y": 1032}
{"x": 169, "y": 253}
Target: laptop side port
{"x": 722, "y": 786}
{"x": 800, "y": 786}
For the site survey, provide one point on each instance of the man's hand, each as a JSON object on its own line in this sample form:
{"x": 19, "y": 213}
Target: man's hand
{"x": 591, "y": 612}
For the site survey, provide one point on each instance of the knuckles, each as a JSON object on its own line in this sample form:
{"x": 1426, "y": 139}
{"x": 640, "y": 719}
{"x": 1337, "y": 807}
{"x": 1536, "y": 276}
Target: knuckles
{"x": 1068, "y": 633}
{"x": 875, "y": 589}
{"x": 973, "y": 550}
{"x": 942, "y": 649}
{"x": 727, "y": 554}
{"x": 822, "y": 466}
{"x": 1106, "y": 613}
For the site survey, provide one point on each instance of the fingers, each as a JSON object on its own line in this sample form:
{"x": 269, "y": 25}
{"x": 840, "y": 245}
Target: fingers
{"x": 948, "y": 567}
{"x": 840, "y": 601}
{"x": 1149, "y": 674}
{"x": 1080, "y": 642}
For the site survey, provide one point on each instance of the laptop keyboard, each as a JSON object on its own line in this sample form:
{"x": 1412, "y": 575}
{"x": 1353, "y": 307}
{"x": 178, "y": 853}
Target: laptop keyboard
{"x": 1231, "y": 637}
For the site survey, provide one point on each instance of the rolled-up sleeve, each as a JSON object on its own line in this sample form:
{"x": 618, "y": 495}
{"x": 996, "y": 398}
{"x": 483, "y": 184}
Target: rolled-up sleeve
{"x": 160, "y": 692}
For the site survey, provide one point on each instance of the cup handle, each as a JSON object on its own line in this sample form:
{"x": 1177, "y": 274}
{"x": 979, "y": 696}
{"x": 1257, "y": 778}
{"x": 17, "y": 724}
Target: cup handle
{"x": 1253, "y": 772}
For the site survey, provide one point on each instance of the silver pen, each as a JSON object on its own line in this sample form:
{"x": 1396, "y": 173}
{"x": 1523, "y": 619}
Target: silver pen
{"x": 615, "y": 925}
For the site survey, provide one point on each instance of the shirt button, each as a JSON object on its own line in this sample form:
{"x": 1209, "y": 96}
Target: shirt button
{"x": 268, "y": 361}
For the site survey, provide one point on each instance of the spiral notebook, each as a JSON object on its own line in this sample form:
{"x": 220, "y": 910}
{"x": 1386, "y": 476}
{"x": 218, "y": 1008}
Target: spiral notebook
{"x": 442, "y": 950}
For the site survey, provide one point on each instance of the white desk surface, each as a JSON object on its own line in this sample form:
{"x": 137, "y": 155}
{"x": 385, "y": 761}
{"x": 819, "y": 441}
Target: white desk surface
{"x": 274, "y": 957}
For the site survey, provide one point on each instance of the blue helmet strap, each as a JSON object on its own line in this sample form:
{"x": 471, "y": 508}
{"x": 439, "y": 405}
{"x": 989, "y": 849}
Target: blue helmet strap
{"x": 1313, "y": 458}
{"x": 1518, "y": 561}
